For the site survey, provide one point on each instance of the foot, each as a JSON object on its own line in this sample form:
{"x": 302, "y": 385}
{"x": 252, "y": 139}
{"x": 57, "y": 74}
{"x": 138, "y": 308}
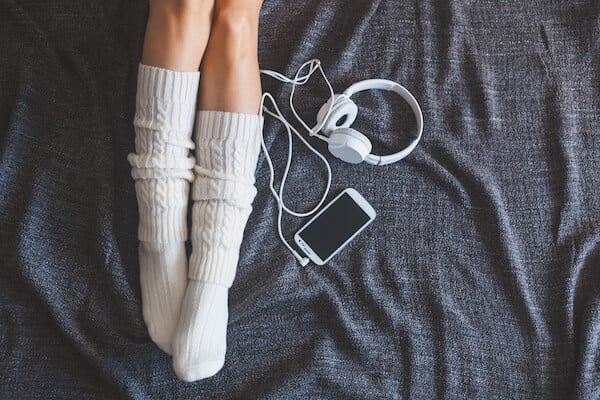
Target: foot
{"x": 163, "y": 279}
{"x": 199, "y": 345}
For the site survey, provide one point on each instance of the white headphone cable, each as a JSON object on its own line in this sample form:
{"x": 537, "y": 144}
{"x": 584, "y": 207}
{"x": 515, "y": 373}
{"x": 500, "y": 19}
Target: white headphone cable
{"x": 298, "y": 80}
{"x": 315, "y": 64}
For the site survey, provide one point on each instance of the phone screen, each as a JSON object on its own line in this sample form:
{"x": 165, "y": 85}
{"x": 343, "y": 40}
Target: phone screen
{"x": 334, "y": 226}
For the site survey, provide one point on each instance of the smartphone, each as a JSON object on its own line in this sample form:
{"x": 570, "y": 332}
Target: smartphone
{"x": 334, "y": 226}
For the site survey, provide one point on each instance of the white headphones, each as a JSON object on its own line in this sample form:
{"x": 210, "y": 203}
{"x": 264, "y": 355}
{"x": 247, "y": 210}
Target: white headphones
{"x": 350, "y": 145}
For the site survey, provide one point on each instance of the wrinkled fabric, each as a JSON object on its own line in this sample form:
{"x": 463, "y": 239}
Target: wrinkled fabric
{"x": 478, "y": 279}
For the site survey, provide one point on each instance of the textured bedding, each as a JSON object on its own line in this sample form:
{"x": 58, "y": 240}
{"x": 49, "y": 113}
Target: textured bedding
{"x": 479, "y": 279}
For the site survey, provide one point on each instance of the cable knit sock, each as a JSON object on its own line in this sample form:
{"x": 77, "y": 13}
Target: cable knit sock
{"x": 228, "y": 145}
{"x": 162, "y": 169}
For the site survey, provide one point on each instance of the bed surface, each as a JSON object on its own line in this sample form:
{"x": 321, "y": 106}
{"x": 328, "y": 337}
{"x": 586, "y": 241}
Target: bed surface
{"x": 479, "y": 279}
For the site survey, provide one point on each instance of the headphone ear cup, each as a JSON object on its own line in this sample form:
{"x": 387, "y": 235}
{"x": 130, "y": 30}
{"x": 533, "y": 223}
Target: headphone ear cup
{"x": 349, "y": 145}
{"x": 323, "y": 110}
{"x": 343, "y": 106}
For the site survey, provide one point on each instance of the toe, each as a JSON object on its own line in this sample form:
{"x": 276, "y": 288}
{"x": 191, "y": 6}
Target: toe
{"x": 195, "y": 372}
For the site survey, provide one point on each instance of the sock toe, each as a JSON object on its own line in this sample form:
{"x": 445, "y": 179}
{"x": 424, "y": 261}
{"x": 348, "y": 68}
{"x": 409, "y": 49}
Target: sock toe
{"x": 195, "y": 372}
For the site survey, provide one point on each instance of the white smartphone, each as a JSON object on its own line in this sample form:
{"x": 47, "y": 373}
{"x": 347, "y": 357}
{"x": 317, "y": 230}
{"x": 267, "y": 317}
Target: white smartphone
{"x": 334, "y": 226}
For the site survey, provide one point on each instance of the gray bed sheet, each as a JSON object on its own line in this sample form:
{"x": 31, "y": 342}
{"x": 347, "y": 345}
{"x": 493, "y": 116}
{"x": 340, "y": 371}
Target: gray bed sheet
{"x": 480, "y": 278}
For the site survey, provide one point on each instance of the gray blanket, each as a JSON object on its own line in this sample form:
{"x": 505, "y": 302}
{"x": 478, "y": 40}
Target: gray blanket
{"x": 479, "y": 279}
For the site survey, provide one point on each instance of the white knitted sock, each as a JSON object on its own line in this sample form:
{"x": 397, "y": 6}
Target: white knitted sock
{"x": 228, "y": 145}
{"x": 162, "y": 169}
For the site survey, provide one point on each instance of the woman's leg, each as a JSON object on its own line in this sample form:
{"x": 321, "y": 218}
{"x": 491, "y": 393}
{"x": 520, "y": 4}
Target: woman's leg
{"x": 228, "y": 136}
{"x": 230, "y": 73}
{"x": 177, "y": 33}
{"x": 168, "y": 77}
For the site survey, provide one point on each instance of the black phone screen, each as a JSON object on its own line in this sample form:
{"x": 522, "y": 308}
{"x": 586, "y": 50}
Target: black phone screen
{"x": 334, "y": 226}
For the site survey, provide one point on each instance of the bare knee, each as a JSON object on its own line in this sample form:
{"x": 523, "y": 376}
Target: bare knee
{"x": 236, "y": 32}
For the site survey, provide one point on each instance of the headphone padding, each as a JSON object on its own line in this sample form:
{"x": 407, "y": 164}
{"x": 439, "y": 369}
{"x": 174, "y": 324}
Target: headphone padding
{"x": 343, "y": 106}
{"x": 349, "y": 145}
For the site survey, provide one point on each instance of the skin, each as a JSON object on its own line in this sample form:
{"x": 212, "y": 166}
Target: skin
{"x": 217, "y": 37}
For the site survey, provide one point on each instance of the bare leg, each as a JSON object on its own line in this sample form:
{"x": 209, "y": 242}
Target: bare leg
{"x": 177, "y": 33}
{"x": 230, "y": 74}
{"x": 228, "y": 132}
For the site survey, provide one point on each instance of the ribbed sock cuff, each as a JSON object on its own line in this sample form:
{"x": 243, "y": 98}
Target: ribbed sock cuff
{"x": 162, "y": 205}
{"x": 166, "y": 99}
{"x": 228, "y": 146}
{"x": 165, "y": 109}
{"x": 217, "y": 234}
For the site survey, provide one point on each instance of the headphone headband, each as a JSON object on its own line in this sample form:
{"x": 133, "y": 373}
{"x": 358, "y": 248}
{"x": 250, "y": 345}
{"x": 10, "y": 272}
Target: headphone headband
{"x": 391, "y": 86}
